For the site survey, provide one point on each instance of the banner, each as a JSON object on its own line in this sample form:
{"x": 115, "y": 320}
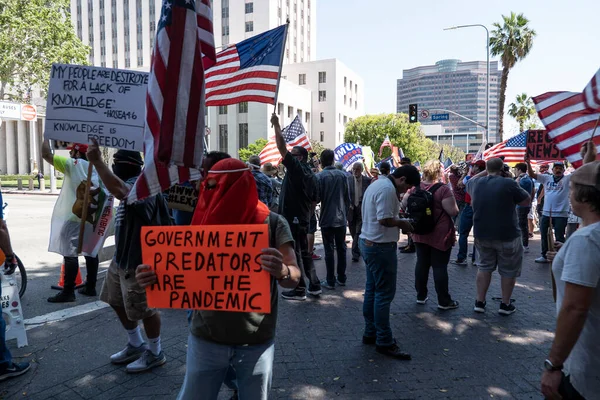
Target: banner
{"x": 101, "y": 103}
{"x": 348, "y": 154}
{"x": 540, "y": 146}
{"x": 182, "y": 197}
{"x": 369, "y": 156}
{"x": 208, "y": 267}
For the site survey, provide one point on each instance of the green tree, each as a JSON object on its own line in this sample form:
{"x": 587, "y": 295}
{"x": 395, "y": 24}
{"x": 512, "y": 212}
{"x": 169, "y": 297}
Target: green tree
{"x": 434, "y": 149}
{"x": 512, "y": 41}
{"x": 317, "y": 147}
{"x": 253, "y": 149}
{"x": 522, "y": 110}
{"x": 33, "y": 35}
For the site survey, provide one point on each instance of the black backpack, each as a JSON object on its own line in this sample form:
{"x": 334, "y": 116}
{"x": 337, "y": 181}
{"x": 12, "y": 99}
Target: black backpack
{"x": 420, "y": 209}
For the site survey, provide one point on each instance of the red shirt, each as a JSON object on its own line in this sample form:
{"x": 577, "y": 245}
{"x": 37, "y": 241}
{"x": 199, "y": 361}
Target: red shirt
{"x": 443, "y": 236}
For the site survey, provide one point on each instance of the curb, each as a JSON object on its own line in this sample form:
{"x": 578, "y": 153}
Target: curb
{"x": 28, "y": 192}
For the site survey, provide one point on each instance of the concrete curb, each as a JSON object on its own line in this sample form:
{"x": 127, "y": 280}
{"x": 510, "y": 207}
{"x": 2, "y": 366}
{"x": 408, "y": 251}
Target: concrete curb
{"x": 38, "y": 193}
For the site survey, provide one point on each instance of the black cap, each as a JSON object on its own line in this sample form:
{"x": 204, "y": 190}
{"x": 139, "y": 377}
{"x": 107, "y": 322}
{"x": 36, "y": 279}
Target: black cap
{"x": 405, "y": 160}
{"x": 133, "y": 157}
{"x": 410, "y": 172}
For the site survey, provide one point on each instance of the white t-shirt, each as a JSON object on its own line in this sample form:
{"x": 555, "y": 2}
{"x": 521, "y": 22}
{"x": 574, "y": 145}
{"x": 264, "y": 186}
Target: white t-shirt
{"x": 556, "y": 197}
{"x": 577, "y": 263}
{"x": 379, "y": 202}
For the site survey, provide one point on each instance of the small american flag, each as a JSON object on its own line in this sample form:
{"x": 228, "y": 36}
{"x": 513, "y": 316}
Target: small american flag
{"x": 386, "y": 143}
{"x": 571, "y": 118}
{"x": 248, "y": 71}
{"x": 174, "y": 131}
{"x": 294, "y": 135}
{"x": 513, "y": 150}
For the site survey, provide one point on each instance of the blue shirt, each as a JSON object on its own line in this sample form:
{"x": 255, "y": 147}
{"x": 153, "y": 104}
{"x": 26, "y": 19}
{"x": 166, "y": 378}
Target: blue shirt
{"x": 264, "y": 187}
{"x": 526, "y": 184}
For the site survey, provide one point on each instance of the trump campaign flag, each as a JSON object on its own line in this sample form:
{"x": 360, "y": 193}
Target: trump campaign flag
{"x": 294, "y": 135}
{"x": 175, "y": 109}
{"x": 248, "y": 71}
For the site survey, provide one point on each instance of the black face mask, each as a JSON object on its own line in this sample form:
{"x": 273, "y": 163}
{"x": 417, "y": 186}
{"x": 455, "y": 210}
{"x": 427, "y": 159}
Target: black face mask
{"x": 126, "y": 171}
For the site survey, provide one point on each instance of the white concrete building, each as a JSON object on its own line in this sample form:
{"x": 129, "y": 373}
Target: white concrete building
{"x": 337, "y": 97}
{"x": 469, "y": 142}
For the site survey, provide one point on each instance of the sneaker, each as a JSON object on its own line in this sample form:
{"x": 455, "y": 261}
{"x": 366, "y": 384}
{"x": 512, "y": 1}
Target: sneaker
{"x": 62, "y": 297}
{"x": 369, "y": 339}
{"x": 422, "y": 301}
{"x": 316, "y": 257}
{"x": 393, "y": 351}
{"x": 450, "y": 306}
{"x": 314, "y": 291}
{"x": 408, "y": 249}
{"x": 525, "y": 249}
{"x": 16, "y": 369}
{"x": 294, "y": 295}
{"x": 460, "y": 262}
{"x": 340, "y": 283}
{"x": 129, "y": 354}
{"x": 354, "y": 259}
{"x": 507, "y": 309}
{"x": 327, "y": 285}
{"x": 87, "y": 291}
{"x": 542, "y": 260}
{"x": 146, "y": 362}
{"x": 479, "y": 306}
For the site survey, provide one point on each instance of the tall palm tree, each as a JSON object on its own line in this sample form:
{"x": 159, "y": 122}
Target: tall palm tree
{"x": 512, "y": 40}
{"x": 522, "y": 110}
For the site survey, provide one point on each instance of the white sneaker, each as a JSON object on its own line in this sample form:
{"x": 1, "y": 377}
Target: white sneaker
{"x": 146, "y": 362}
{"x": 128, "y": 354}
{"x": 542, "y": 260}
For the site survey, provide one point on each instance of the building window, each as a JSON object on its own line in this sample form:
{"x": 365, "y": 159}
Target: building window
{"x": 300, "y": 114}
{"x": 249, "y": 26}
{"x": 345, "y": 120}
{"x": 222, "y": 110}
{"x": 322, "y": 136}
{"x": 350, "y": 85}
{"x": 322, "y": 77}
{"x": 340, "y": 117}
{"x": 279, "y": 108}
{"x": 355, "y": 88}
{"x": 290, "y": 111}
{"x": 225, "y": 30}
{"x": 249, "y": 8}
{"x": 322, "y": 95}
{"x": 302, "y": 79}
{"x": 355, "y": 105}
{"x": 322, "y": 117}
{"x": 307, "y": 117}
{"x": 345, "y": 100}
{"x": 243, "y": 107}
{"x": 243, "y": 136}
{"x": 223, "y": 138}
{"x": 127, "y": 63}
{"x": 345, "y": 81}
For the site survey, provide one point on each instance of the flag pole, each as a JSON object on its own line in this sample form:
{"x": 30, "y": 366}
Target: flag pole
{"x": 287, "y": 25}
{"x": 595, "y": 127}
{"x": 84, "y": 212}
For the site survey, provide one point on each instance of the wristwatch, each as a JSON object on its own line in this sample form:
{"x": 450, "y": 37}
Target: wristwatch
{"x": 286, "y": 276}
{"x": 548, "y": 366}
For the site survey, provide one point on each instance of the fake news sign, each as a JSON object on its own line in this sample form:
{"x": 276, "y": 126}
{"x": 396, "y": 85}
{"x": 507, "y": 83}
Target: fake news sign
{"x": 208, "y": 267}
{"x": 100, "y": 103}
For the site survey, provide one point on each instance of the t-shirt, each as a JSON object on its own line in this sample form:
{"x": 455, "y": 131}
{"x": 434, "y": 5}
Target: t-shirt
{"x": 298, "y": 191}
{"x": 240, "y": 328}
{"x": 335, "y": 200}
{"x": 556, "y": 195}
{"x": 380, "y": 202}
{"x": 493, "y": 199}
{"x": 577, "y": 263}
{"x": 526, "y": 184}
{"x": 443, "y": 236}
{"x": 459, "y": 193}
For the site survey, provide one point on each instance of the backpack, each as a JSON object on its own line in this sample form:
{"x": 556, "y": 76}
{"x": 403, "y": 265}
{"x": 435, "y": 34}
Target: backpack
{"x": 420, "y": 209}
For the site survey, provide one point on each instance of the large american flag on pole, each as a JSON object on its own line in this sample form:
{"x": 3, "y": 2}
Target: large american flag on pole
{"x": 513, "y": 150}
{"x": 294, "y": 135}
{"x": 175, "y": 109}
{"x": 247, "y": 71}
{"x": 571, "y": 118}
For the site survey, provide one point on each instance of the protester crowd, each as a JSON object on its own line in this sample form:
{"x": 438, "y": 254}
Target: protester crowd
{"x": 376, "y": 205}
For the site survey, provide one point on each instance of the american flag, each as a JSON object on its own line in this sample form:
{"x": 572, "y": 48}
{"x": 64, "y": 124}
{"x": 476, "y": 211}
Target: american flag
{"x": 570, "y": 118}
{"x": 174, "y": 131}
{"x": 513, "y": 150}
{"x": 294, "y": 135}
{"x": 247, "y": 71}
{"x": 386, "y": 143}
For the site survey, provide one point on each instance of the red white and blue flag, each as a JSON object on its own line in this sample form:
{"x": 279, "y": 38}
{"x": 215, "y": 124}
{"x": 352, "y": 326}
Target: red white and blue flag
{"x": 247, "y": 71}
{"x": 386, "y": 143}
{"x": 175, "y": 109}
{"x": 513, "y": 150}
{"x": 294, "y": 135}
{"x": 571, "y": 118}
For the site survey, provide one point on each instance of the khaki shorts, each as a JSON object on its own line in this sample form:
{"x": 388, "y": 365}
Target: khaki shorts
{"x": 506, "y": 255}
{"x": 126, "y": 293}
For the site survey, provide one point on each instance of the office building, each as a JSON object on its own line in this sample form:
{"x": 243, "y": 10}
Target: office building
{"x": 455, "y": 86}
{"x": 467, "y": 142}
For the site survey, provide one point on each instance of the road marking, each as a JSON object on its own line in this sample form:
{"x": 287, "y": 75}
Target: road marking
{"x": 61, "y": 315}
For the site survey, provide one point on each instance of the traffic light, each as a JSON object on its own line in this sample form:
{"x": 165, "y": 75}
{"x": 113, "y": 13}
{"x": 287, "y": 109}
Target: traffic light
{"x": 412, "y": 113}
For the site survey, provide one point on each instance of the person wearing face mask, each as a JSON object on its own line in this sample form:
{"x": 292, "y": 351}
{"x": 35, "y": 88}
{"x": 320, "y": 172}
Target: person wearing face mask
{"x": 121, "y": 290}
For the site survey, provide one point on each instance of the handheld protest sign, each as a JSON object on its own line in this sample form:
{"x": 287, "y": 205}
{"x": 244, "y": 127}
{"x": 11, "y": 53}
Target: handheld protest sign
{"x": 540, "y": 146}
{"x": 208, "y": 267}
{"x": 182, "y": 197}
{"x": 106, "y": 104}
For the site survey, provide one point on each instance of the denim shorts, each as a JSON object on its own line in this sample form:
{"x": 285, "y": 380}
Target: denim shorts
{"x": 506, "y": 255}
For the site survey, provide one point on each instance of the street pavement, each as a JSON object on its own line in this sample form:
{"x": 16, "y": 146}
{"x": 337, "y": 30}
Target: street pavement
{"x": 457, "y": 354}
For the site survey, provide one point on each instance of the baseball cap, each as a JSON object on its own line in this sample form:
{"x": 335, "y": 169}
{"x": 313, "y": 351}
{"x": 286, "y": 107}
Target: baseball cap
{"x": 80, "y": 147}
{"x": 588, "y": 175}
{"x": 480, "y": 164}
{"x": 405, "y": 160}
{"x": 128, "y": 156}
{"x": 558, "y": 164}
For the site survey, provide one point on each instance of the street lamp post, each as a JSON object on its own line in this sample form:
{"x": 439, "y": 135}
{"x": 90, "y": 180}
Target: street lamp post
{"x": 487, "y": 86}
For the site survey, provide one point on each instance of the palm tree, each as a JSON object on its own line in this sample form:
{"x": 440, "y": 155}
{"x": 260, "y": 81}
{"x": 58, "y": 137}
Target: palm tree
{"x": 522, "y": 110}
{"x": 512, "y": 41}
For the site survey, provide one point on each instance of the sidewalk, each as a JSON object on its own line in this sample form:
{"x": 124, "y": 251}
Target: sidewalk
{"x": 457, "y": 354}
{"x": 45, "y": 192}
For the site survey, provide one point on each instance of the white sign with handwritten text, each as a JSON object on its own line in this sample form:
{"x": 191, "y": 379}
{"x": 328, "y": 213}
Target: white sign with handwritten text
{"x": 101, "y": 103}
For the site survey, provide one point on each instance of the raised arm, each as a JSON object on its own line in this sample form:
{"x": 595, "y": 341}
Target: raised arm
{"x": 278, "y": 136}
{"x": 47, "y": 152}
{"x": 112, "y": 182}
{"x": 588, "y": 152}
{"x": 530, "y": 170}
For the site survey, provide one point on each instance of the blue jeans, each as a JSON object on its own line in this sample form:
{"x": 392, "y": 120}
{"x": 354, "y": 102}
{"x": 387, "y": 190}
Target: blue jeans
{"x": 335, "y": 237}
{"x": 5, "y": 356}
{"x": 381, "y": 264}
{"x": 208, "y": 364}
{"x": 464, "y": 229}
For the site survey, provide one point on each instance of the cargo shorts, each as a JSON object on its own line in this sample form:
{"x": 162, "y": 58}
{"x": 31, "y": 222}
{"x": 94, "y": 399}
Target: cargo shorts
{"x": 119, "y": 291}
{"x": 506, "y": 255}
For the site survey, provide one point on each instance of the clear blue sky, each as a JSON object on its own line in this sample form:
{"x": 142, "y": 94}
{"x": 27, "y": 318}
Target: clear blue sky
{"x": 378, "y": 39}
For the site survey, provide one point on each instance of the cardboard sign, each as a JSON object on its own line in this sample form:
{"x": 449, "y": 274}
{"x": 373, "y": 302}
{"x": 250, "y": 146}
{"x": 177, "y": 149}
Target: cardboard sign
{"x": 101, "y": 103}
{"x": 541, "y": 147}
{"x": 208, "y": 267}
{"x": 183, "y": 198}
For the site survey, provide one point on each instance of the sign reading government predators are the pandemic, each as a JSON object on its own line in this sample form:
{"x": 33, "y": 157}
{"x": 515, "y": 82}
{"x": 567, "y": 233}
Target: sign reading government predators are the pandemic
{"x": 100, "y": 103}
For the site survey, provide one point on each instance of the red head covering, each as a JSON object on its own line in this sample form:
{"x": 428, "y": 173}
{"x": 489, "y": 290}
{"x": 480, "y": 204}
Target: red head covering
{"x": 233, "y": 200}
